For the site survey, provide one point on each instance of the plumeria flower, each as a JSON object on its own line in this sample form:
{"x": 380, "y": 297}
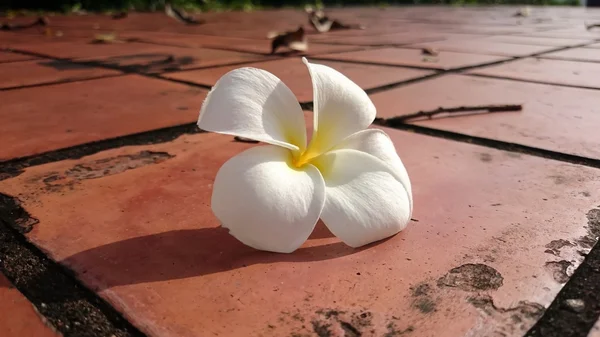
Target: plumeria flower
{"x": 270, "y": 197}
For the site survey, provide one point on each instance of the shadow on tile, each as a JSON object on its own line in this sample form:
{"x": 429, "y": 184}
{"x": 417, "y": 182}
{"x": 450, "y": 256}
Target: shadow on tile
{"x": 187, "y": 253}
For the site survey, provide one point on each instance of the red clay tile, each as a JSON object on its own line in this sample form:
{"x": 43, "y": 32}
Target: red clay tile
{"x": 69, "y": 114}
{"x": 536, "y": 41}
{"x": 550, "y": 71}
{"x": 555, "y": 118}
{"x": 294, "y": 74}
{"x": 46, "y": 71}
{"x": 146, "y": 241}
{"x": 595, "y": 332}
{"x": 143, "y": 57}
{"x": 482, "y": 46}
{"x": 254, "y": 46}
{"x": 388, "y": 39}
{"x": 570, "y": 33}
{"x": 20, "y": 319}
{"x": 413, "y": 57}
{"x": 576, "y": 54}
{"x": 12, "y": 57}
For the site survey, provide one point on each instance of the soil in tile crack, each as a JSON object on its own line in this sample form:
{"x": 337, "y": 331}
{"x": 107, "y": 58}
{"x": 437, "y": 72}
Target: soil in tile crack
{"x": 67, "y": 305}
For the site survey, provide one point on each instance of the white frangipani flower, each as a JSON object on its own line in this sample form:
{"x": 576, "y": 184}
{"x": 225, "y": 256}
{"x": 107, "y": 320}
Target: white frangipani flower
{"x": 270, "y": 197}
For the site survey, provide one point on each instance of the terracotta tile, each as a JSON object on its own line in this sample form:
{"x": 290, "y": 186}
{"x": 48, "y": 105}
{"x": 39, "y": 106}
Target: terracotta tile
{"x": 578, "y": 33}
{"x": 595, "y": 332}
{"x": 295, "y": 75}
{"x": 576, "y": 54}
{"x": 556, "y": 118}
{"x": 24, "y": 319}
{"x": 12, "y": 57}
{"x": 536, "y": 41}
{"x": 253, "y": 46}
{"x": 69, "y": 114}
{"x": 39, "y": 72}
{"x": 413, "y": 57}
{"x": 12, "y": 40}
{"x": 481, "y": 46}
{"x": 550, "y": 71}
{"x": 397, "y": 38}
{"x": 155, "y": 252}
{"x": 143, "y": 57}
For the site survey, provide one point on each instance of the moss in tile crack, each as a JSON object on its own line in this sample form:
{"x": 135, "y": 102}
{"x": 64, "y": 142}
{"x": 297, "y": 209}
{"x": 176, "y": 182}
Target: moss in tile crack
{"x": 55, "y": 181}
{"x": 472, "y": 277}
{"x": 593, "y": 229}
{"x": 13, "y": 214}
{"x": 558, "y": 270}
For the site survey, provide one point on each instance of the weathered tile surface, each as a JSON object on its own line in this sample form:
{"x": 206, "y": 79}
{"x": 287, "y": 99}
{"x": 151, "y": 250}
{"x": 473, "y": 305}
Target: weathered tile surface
{"x": 414, "y": 58}
{"x": 585, "y": 74}
{"x": 577, "y": 54}
{"x": 164, "y": 266}
{"x": 46, "y": 71}
{"x": 295, "y": 74}
{"x": 262, "y": 46}
{"x": 537, "y": 41}
{"x": 12, "y": 57}
{"x": 19, "y": 317}
{"x": 482, "y": 46}
{"x": 555, "y": 118}
{"x": 69, "y": 114}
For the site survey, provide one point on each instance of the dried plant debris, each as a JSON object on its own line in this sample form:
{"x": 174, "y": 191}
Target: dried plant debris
{"x": 106, "y": 38}
{"x": 427, "y": 51}
{"x": 294, "y": 40}
{"x": 592, "y": 26}
{"x": 523, "y": 12}
{"x": 473, "y": 109}
{"x": 119, "y": 15}
{"x": 322, "y": 24}
{"x": 41, "y": 21}
{"x": 181, "y": 16}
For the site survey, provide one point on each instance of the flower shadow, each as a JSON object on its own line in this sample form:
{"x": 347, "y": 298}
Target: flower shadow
{"x": 180, "y": 254}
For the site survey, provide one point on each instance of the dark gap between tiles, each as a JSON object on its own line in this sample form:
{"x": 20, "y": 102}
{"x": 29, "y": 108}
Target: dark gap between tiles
{"x": 57, "y": 294}
{"x": 64, "y": 81}
{"x": 559, "y": 320}
{"x": 491, "y": 143}
{"x": 14, "y": 167}
{"x": 532, "y": 81}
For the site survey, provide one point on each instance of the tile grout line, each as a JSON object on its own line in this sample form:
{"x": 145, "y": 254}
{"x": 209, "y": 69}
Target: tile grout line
{"x": 491, "y": 143}
{"x": 37, "y": 85}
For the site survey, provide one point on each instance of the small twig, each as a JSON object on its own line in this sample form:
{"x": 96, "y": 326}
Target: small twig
{"x": 593, "y": 25}
{"x": 440, "y": 110}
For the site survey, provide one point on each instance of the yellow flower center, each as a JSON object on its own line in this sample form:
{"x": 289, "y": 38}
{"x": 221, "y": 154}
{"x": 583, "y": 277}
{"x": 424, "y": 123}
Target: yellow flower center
{"x": 305, "y": 158}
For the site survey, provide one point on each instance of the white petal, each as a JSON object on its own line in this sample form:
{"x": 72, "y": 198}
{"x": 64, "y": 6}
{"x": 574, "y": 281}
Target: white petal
{"x": 364, "y": 200}
{"x": 264, "y": 202}
{"x": 377, "y": 143}
{"x": 341, "y": 107}
{"x": 253, "y": 103}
